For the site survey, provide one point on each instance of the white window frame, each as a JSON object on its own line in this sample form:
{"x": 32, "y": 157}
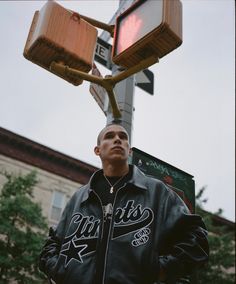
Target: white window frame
{"x": 61, "y": 208}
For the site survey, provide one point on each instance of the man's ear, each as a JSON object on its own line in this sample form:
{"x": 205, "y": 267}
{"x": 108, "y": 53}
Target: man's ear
{"x": 130, "y": 151}
{"x": 97, "y": 150}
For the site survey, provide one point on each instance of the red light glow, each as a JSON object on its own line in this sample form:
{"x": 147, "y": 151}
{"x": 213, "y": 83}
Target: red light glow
{"x": 128, "y": 32}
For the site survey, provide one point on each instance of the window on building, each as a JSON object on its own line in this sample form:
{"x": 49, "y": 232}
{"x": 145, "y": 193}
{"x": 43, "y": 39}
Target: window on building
{"x": 58, "y": 202}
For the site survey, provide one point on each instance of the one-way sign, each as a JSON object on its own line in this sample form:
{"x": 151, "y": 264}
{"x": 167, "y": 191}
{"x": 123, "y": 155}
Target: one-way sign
{"x": 103, "y": 53}
{"x": 145, "y": 81}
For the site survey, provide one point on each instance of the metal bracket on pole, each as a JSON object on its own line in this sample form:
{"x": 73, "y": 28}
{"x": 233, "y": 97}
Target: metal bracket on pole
{"x": 96, "y": 23}
{"x": 108, "y": 82}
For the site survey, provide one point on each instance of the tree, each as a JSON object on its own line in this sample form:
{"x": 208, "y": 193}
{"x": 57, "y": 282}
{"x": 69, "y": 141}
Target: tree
{"x": 22, "y": 230}
{"x": 222, "y": 248}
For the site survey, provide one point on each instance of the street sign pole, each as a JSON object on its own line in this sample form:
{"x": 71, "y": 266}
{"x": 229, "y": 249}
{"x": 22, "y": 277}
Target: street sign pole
{"x": 124, "y": 95}
{"x": 125, "y": 89}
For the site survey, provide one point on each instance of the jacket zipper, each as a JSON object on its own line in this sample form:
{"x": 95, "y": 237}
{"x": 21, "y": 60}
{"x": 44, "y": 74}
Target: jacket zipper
{"x": 100, "y": 201}
{"x": 109, "y": 233}
{"x": 101, "y": 233}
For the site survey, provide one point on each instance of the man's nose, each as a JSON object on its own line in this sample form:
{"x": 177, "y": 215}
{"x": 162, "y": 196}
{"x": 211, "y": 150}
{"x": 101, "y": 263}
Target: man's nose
{"x": 117, "y": 139}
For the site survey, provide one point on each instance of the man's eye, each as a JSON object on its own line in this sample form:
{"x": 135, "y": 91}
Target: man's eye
{"x": 108, "y": 136}
{"x": 123, "y": 136}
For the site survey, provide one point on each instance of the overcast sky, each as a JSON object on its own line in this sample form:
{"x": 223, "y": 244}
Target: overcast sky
{"x": 189, "y": 122}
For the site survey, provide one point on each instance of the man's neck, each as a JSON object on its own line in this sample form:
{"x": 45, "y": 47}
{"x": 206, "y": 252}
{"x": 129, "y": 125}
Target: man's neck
{"x": 115, "y": 170}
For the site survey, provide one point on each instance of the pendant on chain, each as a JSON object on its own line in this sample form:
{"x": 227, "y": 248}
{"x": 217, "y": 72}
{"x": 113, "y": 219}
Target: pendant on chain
{"x": 111, "y": 189}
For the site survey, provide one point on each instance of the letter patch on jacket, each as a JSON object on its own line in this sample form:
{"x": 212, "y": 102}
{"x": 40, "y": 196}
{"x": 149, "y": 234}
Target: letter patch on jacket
{"x": 84, "y": 230}
{"x": 133, "y": 218}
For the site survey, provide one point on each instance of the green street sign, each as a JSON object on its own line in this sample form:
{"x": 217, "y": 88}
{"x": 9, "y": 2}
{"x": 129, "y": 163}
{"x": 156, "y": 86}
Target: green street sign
{"x": 179, "y": 181}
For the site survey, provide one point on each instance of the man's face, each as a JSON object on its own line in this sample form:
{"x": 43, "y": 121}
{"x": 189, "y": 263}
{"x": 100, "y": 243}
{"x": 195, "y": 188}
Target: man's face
{"x": 114, "y": 144}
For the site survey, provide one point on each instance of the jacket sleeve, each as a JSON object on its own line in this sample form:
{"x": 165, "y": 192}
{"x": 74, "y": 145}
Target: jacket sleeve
{"x": 184, "y": 245}
{"x": 50, "y": 252}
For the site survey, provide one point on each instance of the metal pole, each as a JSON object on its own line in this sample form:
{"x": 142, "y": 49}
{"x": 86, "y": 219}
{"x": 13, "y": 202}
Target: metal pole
{"x": 124, "y": 91}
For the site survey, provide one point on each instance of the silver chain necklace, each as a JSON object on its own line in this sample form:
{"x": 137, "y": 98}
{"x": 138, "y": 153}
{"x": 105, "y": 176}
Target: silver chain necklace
{"x": 113, "y": 185}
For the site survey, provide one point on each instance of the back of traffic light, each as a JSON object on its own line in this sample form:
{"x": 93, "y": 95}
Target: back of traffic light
{"x": 57, "y": 34}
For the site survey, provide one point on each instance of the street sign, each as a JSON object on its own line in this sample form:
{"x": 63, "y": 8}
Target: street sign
{"x": 145, "y": 81}
{"x": 98, "y": 92}
{"x": 103, "y": 53}
{"x": 179, "y": 181}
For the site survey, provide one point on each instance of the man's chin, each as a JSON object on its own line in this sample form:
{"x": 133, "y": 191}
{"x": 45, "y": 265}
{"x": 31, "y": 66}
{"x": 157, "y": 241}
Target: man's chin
{"x": 118, "y": 158}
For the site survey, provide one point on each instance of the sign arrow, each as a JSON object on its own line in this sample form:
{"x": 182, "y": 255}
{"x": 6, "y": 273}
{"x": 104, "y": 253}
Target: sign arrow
{"x": 145, "y": 81}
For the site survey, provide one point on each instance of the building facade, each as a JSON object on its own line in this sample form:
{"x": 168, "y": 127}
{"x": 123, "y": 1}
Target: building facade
{"x": 59, "y": 175}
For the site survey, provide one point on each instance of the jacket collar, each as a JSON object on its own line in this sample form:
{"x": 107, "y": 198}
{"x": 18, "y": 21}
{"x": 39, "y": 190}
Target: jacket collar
{"x": 138, "y": 180}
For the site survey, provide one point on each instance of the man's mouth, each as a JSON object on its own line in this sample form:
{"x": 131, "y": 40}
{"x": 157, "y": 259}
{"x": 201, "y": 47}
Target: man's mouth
{"x": 117, "y": 148}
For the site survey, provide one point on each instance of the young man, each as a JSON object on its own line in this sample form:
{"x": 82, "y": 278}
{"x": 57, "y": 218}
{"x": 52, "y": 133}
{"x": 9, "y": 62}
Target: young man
{"x": 123, "y": 227}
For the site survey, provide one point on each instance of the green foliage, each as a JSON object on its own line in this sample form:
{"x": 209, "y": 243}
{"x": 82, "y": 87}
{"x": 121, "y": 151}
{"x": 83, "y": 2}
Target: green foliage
{"x": 222, "y": 248}
{"x": 22, "y": 230}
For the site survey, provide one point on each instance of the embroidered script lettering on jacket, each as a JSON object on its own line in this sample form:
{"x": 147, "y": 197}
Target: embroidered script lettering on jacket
{"x": 85, "y": 230}
{"x": 131, "y": 219}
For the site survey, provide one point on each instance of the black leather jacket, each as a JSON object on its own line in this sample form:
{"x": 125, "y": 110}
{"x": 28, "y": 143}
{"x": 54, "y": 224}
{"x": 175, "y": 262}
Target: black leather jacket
{"x": 151, "y": 228}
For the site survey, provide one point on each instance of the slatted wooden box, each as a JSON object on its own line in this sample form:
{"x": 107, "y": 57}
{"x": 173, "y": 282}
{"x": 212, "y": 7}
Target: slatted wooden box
{"x": 56, "y": 34}
{"x": 147, "y": 28}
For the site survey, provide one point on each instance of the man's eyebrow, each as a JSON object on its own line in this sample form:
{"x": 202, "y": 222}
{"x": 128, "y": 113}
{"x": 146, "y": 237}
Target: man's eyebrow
{"x": 113, "y": 132}
{"x": 109, "y": 132}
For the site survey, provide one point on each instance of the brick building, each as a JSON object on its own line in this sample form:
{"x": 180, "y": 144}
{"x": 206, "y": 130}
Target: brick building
{"x": 59, "y": 175}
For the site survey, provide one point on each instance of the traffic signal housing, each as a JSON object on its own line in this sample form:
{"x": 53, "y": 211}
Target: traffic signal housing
{"x": 59, "y": 35}
{"x": 147, "y": 28}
